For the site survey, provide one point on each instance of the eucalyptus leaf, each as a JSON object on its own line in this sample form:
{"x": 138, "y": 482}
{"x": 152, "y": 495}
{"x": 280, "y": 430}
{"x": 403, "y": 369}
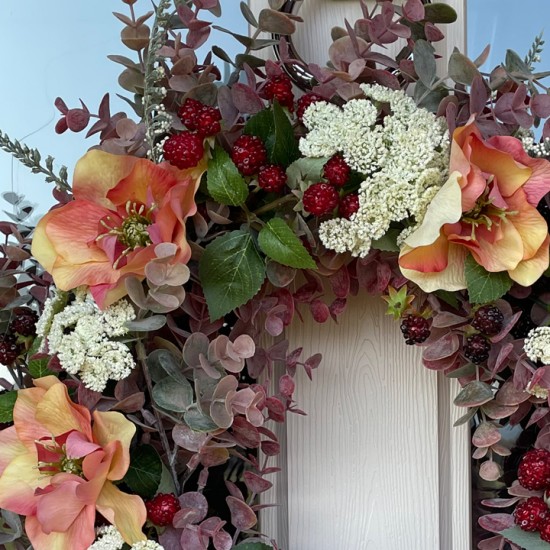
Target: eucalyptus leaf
{"x": 164, "y": 364}
{"x": 424, "y": 62}
{"x": 483, "y": 286}
{"x": 525, "y": 539}
{"x": 198, "y": 421}
{"x": 275, "y": 22}
{"x": 439, "y": 13}
{"x": 461, "y": 69}
{"x": 248, "y": 15}
{"x": 515, "y": 64}
{"x": 466, "y": 417}
{"x": 155, "y": 322}
{"x": 145, "y": 471}
{"x": 223, "y": 180}
{"x": 281, "y": 244}
{"x": 474, "y": 394}
{"x": 388, "y": 241}
{"x": 253, "y": 546}
{"x": 231, "y": 272}
{"x": 173, "y": 396}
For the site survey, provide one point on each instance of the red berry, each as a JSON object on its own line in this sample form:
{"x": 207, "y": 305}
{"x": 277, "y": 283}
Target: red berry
{"x": 477, "y": 348}
{"x": 9, "y": 349}
{"x": 272, "y": 178}
{"x": 162, "y": 509}
{"x": 336, "y": 170}
{"x": 280, "y": 88}
{"x": 249, "y": 154}
{"x": 488, "y": 320}
{"x": 184, "y": 150}
{"x": 189, "y": 113}
{"x": 534, "y": 470}
{"x": 24, "y": 321}
{"x": 415, "y": 329}
{"x": 544, "y": 529}
{"x": 348, "y": 205}
{"x": 304, "y": 102}
{"x": 320, "y": 199}
{"x": 531, "y": 513}
{"x": 197, "y": 116}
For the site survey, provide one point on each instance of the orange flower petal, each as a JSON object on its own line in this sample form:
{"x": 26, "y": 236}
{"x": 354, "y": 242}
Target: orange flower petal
{"x": 529, "y": 271}
{"x": 42, "y": 247}
{"x": 97, "y": 172}
{"x": 112, "y": 427}
{"x": 126, "y": 512}
{"x": 28, "y": 428}
{"x": 18, "y": 483}
{"x": 79, "y": 536}
{"x": 10, "y": 447}
{"x": 106, "y": 295}
{"x": 426, "y": 259}
{"x": 59, "y": 415}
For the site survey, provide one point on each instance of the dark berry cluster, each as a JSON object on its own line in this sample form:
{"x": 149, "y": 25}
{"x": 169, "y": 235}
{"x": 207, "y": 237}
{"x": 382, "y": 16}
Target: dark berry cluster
{"x": 488, "y": 320}
{"x": 23, "y": 323}
{"x": 532, "y": 514}
{"x": 415, "y": 329}
{"x": 477, "y": 348}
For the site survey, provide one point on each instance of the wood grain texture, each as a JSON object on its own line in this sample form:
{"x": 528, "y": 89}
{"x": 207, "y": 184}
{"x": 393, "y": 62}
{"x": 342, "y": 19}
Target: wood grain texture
{"x": 350, "y": 477}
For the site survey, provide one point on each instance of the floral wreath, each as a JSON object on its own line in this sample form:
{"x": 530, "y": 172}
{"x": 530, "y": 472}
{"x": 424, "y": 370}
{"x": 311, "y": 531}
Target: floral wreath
{"x": 135, "y": 313}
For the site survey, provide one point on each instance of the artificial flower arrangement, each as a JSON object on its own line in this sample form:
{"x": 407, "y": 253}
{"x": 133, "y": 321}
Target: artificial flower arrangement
{"x": 135, "y": 313}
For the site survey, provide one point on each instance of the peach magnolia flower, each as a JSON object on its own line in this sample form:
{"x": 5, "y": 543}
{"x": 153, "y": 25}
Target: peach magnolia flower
{"x": 57, "y": 468}
{"x": 124, "y": 206}
{"x": 487, "y": 208}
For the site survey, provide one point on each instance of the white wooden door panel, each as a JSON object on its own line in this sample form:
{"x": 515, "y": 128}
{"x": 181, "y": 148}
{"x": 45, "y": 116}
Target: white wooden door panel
{"x": 376, "y": 464}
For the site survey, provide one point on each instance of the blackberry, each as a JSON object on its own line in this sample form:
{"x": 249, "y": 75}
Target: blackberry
{"x": 415, "y": 329}
{"x": 477, "y": 349}
{"x": 488, "y": 320}
{"x": 9, "y": 349}
{"x": 24, "y": 321}
{"x": 523, "y": 326}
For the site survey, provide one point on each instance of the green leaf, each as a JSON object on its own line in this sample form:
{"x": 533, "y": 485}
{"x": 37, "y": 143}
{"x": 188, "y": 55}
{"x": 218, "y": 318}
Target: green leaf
{"x": 439, "y": 13}
{"x": 145, "y": 471}
{"x": 466, "y": 417}
{"x": 7, "y": 402}
{"x": 305, "y": 169}
{"x": 525, "y": 539}
{"x": 485, "y": 287}
{"x": 253, "y": 546}
{"x": 231, "y": 272}
{"x": 39, "y": 367}
{"x": 223, "y": 181}
{"x": 285, "y": 148}
{"x": 461, "y": 69}
{"x": 462, "y": 372}
{"x": 280, "y": 243}
{"x": 163, "y": 363}
{"x": 274, "y": 128}
{"x": 448, "y": 297}
{"x": 424, "y": 62}
{"x": 388, "y": 241}
{"x": 173, "y": 396}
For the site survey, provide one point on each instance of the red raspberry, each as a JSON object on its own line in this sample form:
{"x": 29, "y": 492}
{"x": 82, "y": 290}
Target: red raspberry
{"x": 348, "y": 205}
{"x": 336, "y": 170}
{"x": 184, "y": 150}
{"x": 477, "y": 349}
{"x": 544, "y": 529}
{"x": 534, "y": 470}
{"x": 272, "y": 178}
{"x": 197, "y": 116}
{"x": 249, "y": 154}
{"x": 280, "y": 88}
{"x": 488, "y": 320}
{"x": 24, "y": 321}
{"x": 531, "y": 513}
{"x": 304, "y": 102}
{"x": 162, "y": 509}
{"x": 9, "y": 349}
{"x": 320, "y": 198}
{"x": 415, "y": 329}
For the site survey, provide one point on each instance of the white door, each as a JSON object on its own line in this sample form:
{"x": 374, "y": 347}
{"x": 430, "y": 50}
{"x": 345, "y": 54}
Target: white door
{"x": 358, "y": 474}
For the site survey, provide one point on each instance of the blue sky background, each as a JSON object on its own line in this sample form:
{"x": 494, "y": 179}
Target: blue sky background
{"x": 59, "y": 48}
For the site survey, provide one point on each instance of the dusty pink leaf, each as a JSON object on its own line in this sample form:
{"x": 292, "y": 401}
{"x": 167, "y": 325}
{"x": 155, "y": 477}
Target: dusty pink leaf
{"x": 245, "y": 433}
{"x": 486, "y": 434}
{"x": 319, "y": 310}
{"x": 276, "y": 409}
{"x": 270, "y": 448}
{"x": 518, "y": 490}
{"x": 245, "y": 99}
{"x": 414, "y": 10}
{"x": 537, "y": 415}
{"x": 480, "y": 453}
{"x": 191, "y": 540}
{"x": 510, "y": 395}
{"x": 496, "y": 411}
{"x": 501, "y": 450}
{"x": 499, "y": 502}
{"x": 493, "y": 543}
{"x": 255, "y": 483}
{"x": 242, "y": 516}
{"x": 433, "y": 34}
{"x": 222, "y": 540}
{"x": 495, "y": 523}
{"x": 340, "y": 282}
{"x": 540, "y": 105}
{"x": 286, "y": 386}
{"x": 446, "y": 346}
{"x": 187, "y": 438}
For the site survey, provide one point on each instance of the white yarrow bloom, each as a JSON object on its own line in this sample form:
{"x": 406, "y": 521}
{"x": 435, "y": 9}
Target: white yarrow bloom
{"x": 110, "y": 539}
{"x": 404, "y": 160}
{"x": 83, "y": 336}
{"x": 537, "y": 345}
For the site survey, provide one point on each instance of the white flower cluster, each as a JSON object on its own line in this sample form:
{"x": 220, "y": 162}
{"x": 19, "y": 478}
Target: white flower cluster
{"x": 110, "y": 539}
{"x": 540, "y": 150}
{"x": 537, "y": 345}
{"x": 404, "y": 160}
{"x": 82, "y": 337}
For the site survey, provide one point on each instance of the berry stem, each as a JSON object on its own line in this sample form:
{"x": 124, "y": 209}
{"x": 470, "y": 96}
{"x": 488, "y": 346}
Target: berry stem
{"x": 274, "y": 204}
